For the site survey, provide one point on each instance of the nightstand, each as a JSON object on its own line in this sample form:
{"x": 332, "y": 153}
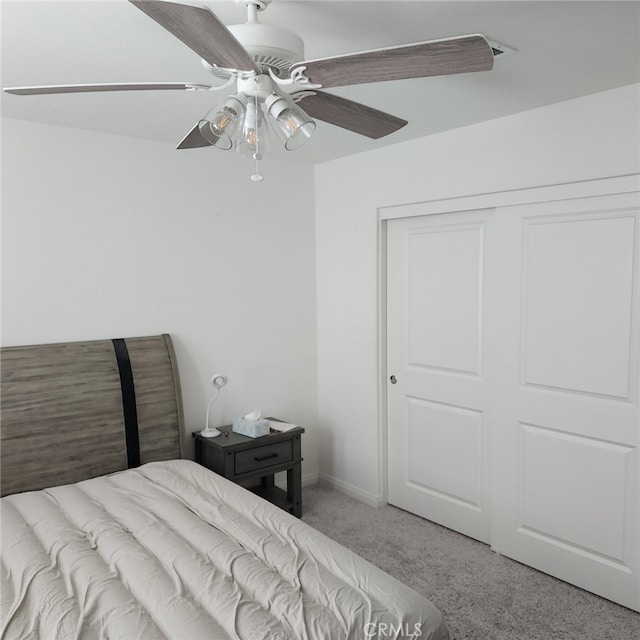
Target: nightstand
{"x": 252, "y": 462}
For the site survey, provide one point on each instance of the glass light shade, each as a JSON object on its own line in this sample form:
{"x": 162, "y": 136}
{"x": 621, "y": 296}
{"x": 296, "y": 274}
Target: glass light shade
{"x": 293, "y": 125}
{"x": 223, "y": 142}
{"x": 253, "y": 140}
{"x": 219, "y": 125}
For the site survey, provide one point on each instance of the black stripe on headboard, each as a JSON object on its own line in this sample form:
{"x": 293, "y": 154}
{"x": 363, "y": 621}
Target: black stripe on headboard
{"x": 128, "y": 402}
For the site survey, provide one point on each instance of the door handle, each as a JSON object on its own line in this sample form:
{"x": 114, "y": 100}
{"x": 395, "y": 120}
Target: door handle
{"x": 393, "y": 379}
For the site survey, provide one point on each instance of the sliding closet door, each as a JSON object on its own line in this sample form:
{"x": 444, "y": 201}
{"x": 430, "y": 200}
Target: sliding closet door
{"x": 438, "y": 368}
{"x": 566, "y": 483}
{"x": 513, "y": 342}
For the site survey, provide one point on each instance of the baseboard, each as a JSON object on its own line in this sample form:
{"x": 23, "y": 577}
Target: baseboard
{"x": 310, "y": 479}
{"x": 339, "y": 485}
{"x": 307, "y": 480}
{"x": 351, "y": 491}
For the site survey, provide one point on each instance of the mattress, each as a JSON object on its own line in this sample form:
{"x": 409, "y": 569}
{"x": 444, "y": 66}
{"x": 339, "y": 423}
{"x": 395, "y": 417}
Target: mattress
{"x": 172, "y": 550}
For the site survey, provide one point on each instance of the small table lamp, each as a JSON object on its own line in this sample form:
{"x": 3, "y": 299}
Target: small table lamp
{"x": 218, "y": 381}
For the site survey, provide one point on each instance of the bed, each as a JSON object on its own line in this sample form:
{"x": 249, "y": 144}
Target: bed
{"x": 108, "y": 533}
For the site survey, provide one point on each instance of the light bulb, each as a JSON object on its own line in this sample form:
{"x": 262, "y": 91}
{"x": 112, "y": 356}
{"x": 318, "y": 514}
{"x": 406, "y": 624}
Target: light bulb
{"x": 293, "y": 125}
{"x": 252, "y": 142}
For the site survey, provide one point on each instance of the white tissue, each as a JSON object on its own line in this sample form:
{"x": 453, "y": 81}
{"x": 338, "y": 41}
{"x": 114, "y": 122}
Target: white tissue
{"x": 251, "y": 425}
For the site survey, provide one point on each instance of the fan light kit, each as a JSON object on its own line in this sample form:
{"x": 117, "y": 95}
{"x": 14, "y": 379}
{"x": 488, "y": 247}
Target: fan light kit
{"x": 273, "y": 81}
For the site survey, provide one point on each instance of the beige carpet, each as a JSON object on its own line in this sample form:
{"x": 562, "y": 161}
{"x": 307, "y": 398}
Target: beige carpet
{"x": 483, "y": 596}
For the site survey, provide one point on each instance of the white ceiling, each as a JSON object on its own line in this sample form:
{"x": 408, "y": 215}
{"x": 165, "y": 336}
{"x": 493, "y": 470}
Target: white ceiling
{"x": 564, "y": 50}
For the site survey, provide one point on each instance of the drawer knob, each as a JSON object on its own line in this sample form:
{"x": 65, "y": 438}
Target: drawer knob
{"x": 267, "y": 457}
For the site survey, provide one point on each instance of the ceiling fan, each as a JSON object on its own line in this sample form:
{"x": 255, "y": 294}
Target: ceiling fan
{"x": 273, "y": 81}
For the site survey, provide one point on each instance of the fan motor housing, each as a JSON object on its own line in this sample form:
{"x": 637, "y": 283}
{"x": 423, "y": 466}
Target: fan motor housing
{"x": 269, "y": 46}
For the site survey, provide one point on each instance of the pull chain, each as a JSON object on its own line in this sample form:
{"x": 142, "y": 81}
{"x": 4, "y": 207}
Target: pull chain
{"x": 257, "y": 176}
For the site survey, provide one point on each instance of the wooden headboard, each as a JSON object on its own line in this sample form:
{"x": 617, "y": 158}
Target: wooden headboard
{"x": 77, "y": 410}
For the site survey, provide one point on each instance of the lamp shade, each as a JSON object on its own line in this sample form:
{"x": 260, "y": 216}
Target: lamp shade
{"x": 293, "y": 125}
{"x": 219, "y": 125}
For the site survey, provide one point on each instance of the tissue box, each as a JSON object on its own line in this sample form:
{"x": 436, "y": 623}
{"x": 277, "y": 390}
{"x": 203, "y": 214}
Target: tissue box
{"x": 251, "y": 428}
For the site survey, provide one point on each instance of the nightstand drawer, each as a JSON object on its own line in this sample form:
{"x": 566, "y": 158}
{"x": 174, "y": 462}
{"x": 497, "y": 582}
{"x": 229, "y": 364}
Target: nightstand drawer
{"x": 263, "y": 457}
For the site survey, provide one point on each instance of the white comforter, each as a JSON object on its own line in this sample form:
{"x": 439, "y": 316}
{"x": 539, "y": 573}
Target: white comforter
{"x": 172, "y": 550}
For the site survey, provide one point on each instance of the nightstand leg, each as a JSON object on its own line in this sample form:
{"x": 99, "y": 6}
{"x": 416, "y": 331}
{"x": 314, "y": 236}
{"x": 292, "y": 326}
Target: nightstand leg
{"x": 294, "y": 489}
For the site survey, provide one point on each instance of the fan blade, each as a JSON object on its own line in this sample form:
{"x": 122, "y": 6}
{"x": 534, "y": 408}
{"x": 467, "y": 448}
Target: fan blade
{"x": 87, "y": 88}
{"x": 349, "y": 115}
{"x": 201, "y": 31}
{"x": 193, "y": 139}
{"x": 420, "y": 60}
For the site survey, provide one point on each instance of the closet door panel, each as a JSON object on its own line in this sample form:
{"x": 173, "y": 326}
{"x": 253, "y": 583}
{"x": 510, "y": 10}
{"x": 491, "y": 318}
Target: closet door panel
{"x": 437, "y": 355}
{"x": 577, "y": 293}
{"x": 566, "y": 431}
{"x": 583, "y": 479}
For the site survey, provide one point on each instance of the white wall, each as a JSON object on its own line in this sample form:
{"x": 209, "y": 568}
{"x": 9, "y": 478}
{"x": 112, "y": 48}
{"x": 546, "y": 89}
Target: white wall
{"x": 592, "y": 137}
{"x": 106, "y": 236}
